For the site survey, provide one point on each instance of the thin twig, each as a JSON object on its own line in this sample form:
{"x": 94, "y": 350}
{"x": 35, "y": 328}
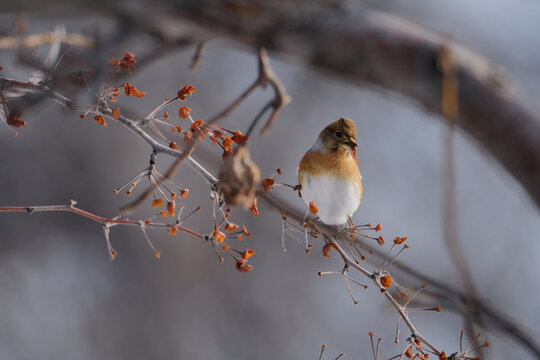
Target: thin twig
{"x": 351, "y": 263}
{"x": 197, "y": 57}
{"x": 100, "y": 219}
{"x": 281, "y": 99}
{"x": 415, "y": 333}
{"x": 104, "y": 109}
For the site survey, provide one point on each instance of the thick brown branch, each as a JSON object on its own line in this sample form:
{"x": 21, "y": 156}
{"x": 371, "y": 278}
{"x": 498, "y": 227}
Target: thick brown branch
{"x": 388, "y": 51}
{"x": 450, "y": 110}
{"x": 366, "y": 47}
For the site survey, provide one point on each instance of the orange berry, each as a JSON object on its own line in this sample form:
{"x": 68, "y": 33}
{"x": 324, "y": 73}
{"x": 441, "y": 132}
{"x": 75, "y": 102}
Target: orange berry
{"x": 267, "y": 184}
{"x": 227, "y": 143}
{"x": 137, "y": 93}
{"x": 219, "y": 236}
{"x": 99, "y": 119}
{"x": 238, "y": 137}
{"x": 116, "y": 113}
{"x": 254, "y": 209}
{"x": 231, "y": 227}
{"x": 399, "y": 240}
{"x": 184, "y": 111}
{"x": 326, "y": 249}
{"x": 408, "y": 353}
{"x": 386, "y": 281}
{"x": 185, "y": 91}
{"x": 242, "y": 266}
{"x": 170, "y": 208}
{"x": 247, "y": 254}
{"x": 157, "y": 203}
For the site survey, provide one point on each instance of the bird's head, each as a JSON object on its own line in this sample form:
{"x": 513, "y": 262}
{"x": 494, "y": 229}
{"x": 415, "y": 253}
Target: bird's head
{"x": 341, "y": 134}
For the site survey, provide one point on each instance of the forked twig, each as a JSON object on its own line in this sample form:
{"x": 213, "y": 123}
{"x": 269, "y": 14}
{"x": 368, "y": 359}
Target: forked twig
{"x": 265, "y": 76}
{"x": 70, "y": 207}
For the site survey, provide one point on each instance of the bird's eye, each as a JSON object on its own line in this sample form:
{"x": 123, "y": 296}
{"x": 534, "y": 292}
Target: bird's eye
{"x": 338, "y": 134}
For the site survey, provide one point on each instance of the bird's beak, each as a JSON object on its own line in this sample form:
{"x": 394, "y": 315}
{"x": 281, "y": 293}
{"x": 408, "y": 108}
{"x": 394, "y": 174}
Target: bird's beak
{"x": 352, "y": 144}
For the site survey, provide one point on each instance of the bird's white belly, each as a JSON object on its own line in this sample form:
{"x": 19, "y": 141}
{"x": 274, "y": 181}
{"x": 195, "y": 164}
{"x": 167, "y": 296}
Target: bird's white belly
{"x": 336, "y": 199}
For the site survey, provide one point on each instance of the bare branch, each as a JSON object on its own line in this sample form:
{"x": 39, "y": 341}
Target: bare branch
{"x": 450, "y": 111}
{"x": 131, "y": 124}
{"x": 449, "y": 297}
{"x": 100, "y": 219}
{"x": 281, "y": 99}
{"x": 368, "y": 46}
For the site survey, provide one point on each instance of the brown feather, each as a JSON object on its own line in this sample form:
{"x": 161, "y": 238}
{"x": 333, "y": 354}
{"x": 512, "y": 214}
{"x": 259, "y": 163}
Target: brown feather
{"x": 338, "y": 135}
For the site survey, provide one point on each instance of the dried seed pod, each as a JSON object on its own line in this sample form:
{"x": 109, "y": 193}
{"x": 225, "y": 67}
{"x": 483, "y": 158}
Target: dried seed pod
{"x": 239, "y": 178}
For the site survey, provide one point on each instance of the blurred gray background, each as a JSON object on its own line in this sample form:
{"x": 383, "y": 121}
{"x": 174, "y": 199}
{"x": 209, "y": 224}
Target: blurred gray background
{"x": 62, "y": 298}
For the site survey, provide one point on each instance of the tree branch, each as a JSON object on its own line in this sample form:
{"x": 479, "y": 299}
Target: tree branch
{"x": 365, "y": 47}
{"x": 70, "y": 207}
{"x": 131, "y": 124}
{"x": 447, "y": 295}
{"x": 388, "y": 51}
{"x": 265, "y": 76}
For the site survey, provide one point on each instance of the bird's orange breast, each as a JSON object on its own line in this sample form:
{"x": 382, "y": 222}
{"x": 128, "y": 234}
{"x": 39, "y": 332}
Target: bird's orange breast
{"x": 339, "y": 164}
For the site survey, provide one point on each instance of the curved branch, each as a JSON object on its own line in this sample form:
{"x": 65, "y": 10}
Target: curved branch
{"x": 396, "y": 54}
{"x": 368, "y": 46}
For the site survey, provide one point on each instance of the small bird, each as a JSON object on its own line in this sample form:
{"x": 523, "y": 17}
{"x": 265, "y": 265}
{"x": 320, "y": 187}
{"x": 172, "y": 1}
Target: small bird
{"x": 329, "y": 175}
